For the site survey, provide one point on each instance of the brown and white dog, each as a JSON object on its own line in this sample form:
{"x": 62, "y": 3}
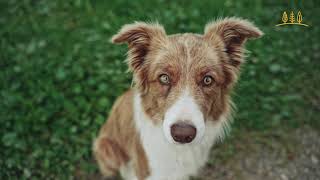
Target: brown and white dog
{"x": 164, "y": 127}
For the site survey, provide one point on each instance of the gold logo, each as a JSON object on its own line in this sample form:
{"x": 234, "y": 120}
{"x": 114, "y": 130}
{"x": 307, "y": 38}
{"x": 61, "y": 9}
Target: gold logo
{"x": 292, "y": 19}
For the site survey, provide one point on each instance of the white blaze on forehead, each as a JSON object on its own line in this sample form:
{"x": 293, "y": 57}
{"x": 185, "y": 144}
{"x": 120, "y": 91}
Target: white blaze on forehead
{"x": 187, "y": 110}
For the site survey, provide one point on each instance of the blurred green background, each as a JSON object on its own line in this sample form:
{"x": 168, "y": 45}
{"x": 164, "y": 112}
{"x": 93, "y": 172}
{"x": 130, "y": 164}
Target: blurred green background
{"x": 60, "y": 75}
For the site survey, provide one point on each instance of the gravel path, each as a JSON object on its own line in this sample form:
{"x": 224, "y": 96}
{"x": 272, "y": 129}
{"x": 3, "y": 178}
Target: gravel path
{"x": 267, "y": 156}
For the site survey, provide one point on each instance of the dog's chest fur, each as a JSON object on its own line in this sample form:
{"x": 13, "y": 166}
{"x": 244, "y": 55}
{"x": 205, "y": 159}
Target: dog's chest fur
{"x": 170, "y": 161}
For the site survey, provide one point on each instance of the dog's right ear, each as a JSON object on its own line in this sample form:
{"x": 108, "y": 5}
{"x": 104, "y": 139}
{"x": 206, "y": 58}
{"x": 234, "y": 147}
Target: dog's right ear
{"x": 139, "y": 36}
{"x": 233, "y": 32}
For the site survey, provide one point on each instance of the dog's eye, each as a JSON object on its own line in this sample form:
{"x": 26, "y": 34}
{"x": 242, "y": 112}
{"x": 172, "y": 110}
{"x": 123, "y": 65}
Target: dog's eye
{"x": 207, "y": 80}
{"x": 164, "y": 79}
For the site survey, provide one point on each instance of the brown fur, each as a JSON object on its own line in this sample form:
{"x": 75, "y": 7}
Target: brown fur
{"x": 118, "y": 141}
{"x": 186, "y": 59}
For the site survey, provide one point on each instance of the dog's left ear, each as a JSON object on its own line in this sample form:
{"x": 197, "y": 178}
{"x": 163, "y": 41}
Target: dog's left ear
{"x": 233, "y": 32}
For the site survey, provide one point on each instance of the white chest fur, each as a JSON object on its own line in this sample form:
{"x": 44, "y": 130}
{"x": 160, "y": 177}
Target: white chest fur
{"x": 172, "y": 161}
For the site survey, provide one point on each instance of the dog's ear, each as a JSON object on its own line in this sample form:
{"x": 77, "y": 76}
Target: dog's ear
{"x": 140, "y": 37}
{"x": 233, "y": 32}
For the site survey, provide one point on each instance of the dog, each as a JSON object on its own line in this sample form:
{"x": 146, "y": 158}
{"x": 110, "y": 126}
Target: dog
{"x": 179, "y": 106}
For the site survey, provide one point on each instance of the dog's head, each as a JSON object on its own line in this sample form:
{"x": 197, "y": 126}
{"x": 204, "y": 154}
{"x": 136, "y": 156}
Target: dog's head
{"x": 185, "y": 79}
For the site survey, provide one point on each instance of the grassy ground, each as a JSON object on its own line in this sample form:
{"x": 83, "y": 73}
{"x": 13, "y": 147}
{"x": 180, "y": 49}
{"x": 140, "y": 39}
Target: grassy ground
{"x": 60, "y": 75}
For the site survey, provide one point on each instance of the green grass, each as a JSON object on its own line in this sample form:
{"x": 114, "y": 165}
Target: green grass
{"x": 60, "y": 75}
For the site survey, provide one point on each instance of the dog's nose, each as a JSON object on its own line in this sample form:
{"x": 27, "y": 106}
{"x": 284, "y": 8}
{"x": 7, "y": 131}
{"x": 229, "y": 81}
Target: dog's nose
{"x": 183, "y": 132}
